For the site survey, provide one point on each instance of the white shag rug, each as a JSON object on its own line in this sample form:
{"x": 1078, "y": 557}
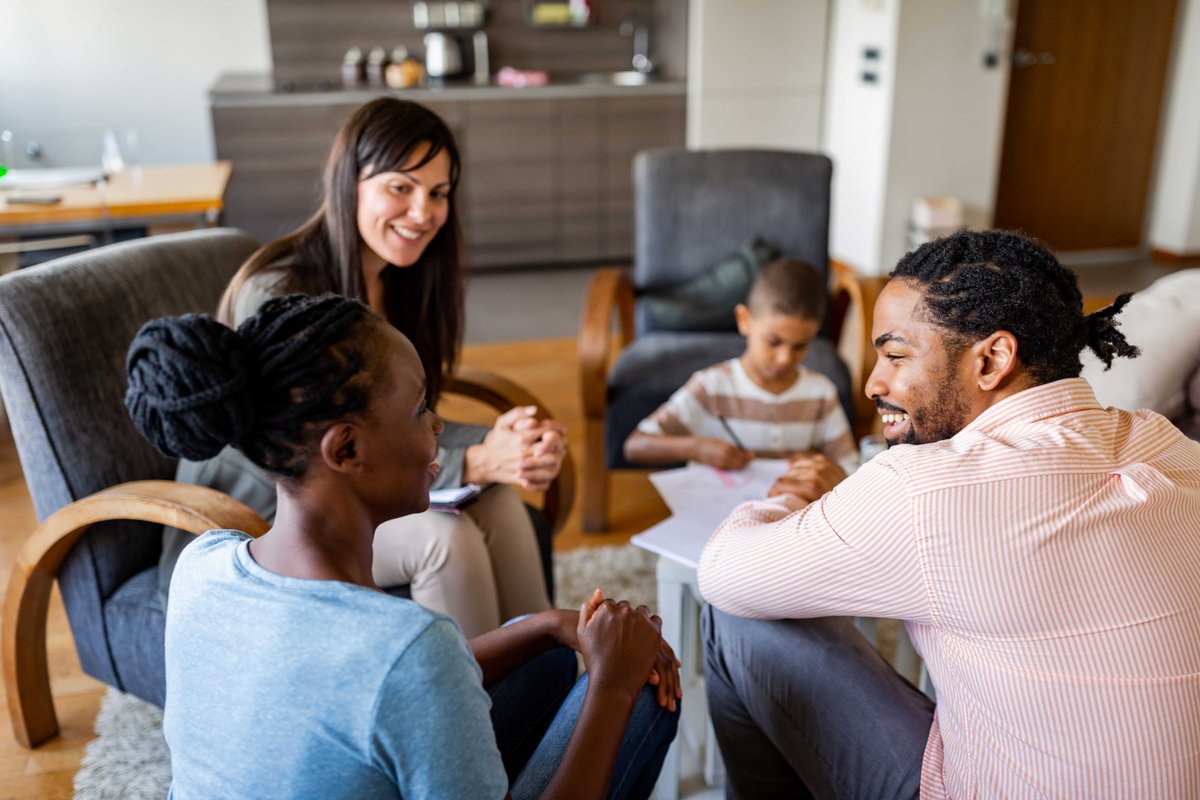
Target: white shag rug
{"x": 128, "y": 759}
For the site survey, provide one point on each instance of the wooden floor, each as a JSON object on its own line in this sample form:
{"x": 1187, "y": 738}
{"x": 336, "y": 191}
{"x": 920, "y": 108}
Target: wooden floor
{"x": 547, "y": 368}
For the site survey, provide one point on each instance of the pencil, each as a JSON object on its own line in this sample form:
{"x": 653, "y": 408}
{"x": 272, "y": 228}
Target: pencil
{"x": 725, "y": 424}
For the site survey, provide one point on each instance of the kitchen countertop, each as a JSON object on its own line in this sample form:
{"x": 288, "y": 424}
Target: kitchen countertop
{"x": 257, "y": 89}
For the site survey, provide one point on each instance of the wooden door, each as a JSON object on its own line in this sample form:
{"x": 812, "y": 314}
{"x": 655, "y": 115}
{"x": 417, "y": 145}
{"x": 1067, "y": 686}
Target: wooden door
{"x": 1084, "y": 104}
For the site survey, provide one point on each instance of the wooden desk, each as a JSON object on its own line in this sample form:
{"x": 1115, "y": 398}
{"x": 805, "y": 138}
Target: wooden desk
{"x": 134, "y": 197}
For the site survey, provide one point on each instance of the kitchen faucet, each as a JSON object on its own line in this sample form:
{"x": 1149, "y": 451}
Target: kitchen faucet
{"x": 636, "y": 26}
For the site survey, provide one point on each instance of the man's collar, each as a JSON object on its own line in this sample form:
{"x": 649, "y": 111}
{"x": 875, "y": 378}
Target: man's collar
{"x": 1035, "y": 403}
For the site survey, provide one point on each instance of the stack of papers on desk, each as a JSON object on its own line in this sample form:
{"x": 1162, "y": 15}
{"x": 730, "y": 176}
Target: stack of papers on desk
{"x": 700, "y": 498}
{"x": 455, "y": 498}
{"x": 52, "y": 177}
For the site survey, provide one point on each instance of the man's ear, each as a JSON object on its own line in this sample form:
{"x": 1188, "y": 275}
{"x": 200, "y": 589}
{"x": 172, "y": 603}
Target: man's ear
{"x": 341, "y": 448}
{"x": 995, "y": 360}
{"x": 742, "y": 314}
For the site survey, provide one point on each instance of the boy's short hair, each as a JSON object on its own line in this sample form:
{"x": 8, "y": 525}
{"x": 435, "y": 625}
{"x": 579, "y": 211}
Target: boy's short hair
{"x": 789, "y": 287}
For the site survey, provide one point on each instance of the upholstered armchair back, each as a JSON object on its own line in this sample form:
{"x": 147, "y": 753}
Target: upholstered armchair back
{"x": 64, "y": 330}
{"x": 693, "y": 208}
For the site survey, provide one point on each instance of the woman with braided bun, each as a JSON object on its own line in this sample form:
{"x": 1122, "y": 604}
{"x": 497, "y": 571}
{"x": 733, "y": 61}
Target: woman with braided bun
{"x": 387, "y": 234}
{"x": 289, "y": 674}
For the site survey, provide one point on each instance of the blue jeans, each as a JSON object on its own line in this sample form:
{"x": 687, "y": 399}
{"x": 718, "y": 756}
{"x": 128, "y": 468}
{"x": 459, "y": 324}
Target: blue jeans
{"x": 808, "y": 708}
{"x": 534, "y": 711}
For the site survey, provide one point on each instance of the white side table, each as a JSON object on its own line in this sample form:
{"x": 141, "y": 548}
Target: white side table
{"x": 679, "y": 607}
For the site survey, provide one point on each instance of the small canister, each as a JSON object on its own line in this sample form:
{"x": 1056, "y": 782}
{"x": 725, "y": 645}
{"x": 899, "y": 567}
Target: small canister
{"x": 354, "y": 67}
{"x": 377, "y": 64}
{"x": 405, "y": 74}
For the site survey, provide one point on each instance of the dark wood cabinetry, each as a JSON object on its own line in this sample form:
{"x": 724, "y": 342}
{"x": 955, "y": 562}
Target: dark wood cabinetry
{"x": 546, "y": 180}
{"x": 632, "y": 124}
{"x": 277, "y": 155}
{"x": 510, "y": 182}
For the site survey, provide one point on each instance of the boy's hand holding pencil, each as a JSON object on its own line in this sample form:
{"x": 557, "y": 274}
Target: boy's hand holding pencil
{"x": 731, "y": 455}
{"x": 721, "y": 454}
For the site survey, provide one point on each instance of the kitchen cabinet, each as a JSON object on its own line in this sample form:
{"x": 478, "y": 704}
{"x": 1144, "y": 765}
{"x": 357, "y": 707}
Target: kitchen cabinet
{"x": 632, "y": 124}
{"x": 546, "y": 179}
{"x": 580, "y": 156}
{"x": 277, "y": 155}
{"x": 510, "y": 182}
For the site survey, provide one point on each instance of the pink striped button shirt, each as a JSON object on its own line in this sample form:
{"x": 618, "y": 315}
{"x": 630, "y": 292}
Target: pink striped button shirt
{"x": 1046, "y": 562}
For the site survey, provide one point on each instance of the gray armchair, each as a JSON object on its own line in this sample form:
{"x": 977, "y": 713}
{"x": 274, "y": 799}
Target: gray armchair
{"x": 693, "y": 209}
{"x": 64, "y": 331}
{"x": 102, "y": 492}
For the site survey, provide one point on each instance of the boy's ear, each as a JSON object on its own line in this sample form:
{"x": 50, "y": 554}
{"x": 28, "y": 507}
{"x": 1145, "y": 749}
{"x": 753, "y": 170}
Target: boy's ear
{"x": 742, "y": 313}
{"x": 341, "y": 448}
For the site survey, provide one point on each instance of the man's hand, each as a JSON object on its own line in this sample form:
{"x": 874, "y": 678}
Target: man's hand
{"x": 809, "y": 476}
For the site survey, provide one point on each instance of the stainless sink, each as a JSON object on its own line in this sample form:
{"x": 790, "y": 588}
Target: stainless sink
{"x": 626, "y": 78}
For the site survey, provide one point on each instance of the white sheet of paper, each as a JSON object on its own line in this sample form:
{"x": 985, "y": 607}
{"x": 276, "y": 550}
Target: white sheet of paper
{"x": 700, "y": 498}
{"x": 698, "y": 489}
{"x": 677, "y": 538}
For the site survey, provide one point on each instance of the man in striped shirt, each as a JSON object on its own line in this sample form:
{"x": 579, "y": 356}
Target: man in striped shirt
{"x": 1042, "y": 551}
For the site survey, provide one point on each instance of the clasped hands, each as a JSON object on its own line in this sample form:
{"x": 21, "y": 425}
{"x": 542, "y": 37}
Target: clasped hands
{"x": 623, "y": 648}
{"x": 520, "y": 450}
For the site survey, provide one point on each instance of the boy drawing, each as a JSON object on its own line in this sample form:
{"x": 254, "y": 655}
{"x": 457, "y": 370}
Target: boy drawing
{"x": 764, "y": 403}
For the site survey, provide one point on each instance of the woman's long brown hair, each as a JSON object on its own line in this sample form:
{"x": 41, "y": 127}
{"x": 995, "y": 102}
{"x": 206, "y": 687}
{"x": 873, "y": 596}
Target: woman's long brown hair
{"x": 424, "y": 301}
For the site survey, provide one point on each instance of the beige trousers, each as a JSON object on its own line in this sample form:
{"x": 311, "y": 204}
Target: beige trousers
{"x": 480, "y": 566}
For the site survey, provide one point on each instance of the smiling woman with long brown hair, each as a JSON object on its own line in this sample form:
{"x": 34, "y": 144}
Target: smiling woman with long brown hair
{"x": 387, "y": 233}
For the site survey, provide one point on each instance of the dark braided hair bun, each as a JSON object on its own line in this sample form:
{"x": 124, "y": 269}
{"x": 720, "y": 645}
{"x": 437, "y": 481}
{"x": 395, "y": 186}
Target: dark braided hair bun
{"x": 978, "y": 282}
{"x": 188, "y": 379}
{"x": 267, "y": 388}
{"x": 1103, "y": 337}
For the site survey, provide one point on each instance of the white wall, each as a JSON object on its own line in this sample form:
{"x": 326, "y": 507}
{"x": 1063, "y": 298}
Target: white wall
{"x": 1175, "y": 219}
{"x": 947, "y": 119}
{"x": 857, "y": 129}
{"x": 71, "y": 68}
{"x": 931, "y": 124}
{"x": 1192, "y": 245}
{"x": 755, "y": 73}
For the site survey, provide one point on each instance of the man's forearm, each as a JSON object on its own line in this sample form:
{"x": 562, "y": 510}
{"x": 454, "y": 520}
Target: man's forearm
{"x": 720, "y": 575}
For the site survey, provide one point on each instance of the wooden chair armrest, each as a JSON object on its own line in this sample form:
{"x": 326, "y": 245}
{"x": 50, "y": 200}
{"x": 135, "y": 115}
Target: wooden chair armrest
{"x": 502, "y": 394}
{"x": 610, "y": 291}
{"x": 852, "y": 305}
{"x": 492, "y": 389}
{"x": 195, "y": 509}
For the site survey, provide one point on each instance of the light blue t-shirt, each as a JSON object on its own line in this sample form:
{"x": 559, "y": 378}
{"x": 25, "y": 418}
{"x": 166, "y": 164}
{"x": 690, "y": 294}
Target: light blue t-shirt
{"x": 282, "y": 687}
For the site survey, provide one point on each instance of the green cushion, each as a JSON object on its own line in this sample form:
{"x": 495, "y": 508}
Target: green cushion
{"x": 706, "y": 301}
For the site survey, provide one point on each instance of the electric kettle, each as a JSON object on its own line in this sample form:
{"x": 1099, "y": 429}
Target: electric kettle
{"x": 443, "y": 56}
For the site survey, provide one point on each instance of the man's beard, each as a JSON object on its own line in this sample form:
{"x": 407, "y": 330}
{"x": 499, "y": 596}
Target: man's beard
{"x": 941, "y": 418}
